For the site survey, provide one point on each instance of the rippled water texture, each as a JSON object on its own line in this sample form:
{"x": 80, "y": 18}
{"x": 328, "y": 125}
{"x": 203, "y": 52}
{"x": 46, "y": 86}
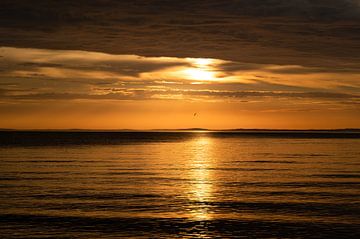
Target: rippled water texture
{"x": 179, "y": 185}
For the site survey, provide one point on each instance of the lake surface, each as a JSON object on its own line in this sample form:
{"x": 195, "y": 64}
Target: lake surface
{"x": 179, "y": 185}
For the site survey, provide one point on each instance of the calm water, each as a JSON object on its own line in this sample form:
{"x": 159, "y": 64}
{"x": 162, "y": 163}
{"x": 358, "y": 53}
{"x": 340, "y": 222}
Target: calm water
{"x": 179, "y": 185}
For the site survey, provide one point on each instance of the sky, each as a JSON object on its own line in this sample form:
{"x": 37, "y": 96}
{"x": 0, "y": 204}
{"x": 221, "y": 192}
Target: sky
{"x": 153, "y": 64}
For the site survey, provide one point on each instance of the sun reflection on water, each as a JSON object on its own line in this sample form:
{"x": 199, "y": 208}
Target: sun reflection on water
{"x": 201, "y": 189}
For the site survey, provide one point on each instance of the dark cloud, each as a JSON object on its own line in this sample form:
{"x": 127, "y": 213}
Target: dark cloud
{"x": 35, "y": 65}
{"x": 144, "y": 94}
{"x": 238, "y": 66}
{"x": 231, "y": 67}
{"x": 32, "y": 60}
{"x": 123, "y": 68}
{"x": 321, "y": 33}
{"x": 244, "y": 94}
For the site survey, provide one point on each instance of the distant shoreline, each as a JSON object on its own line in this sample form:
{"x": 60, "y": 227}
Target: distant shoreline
{"x": 77, "y": 137}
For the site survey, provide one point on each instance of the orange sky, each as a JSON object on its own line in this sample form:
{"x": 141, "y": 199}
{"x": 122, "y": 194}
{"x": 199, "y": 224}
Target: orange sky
{"x": 50, "y": 89}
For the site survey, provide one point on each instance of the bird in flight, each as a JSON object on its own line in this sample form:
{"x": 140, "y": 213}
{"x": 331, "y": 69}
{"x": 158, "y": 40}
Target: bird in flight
{"x": 195, "y": 114}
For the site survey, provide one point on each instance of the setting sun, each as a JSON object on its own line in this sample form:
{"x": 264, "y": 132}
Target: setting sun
{"x": 199, "y": 74}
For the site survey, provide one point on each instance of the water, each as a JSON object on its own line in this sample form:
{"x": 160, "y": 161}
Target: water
{"x": 179, "y": 185}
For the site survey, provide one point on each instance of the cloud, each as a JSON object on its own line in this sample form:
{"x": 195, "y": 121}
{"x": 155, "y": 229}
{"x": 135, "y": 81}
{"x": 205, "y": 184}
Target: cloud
{"x": 284, "y": 32}
{"x": 274, "y": 56}
{"x": 284, "y": 69}
{"x": 37, "y": 74}
{"x": 272, "y": 94}
{"x": 172, "y": 94}
{"x": 33, "y": 60}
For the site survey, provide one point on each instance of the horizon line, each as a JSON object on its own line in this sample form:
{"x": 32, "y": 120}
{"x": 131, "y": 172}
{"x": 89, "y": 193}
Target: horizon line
{"x": 180, "y": 129}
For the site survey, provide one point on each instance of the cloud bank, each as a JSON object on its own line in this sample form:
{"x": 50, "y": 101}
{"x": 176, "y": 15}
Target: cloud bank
{"x": 36, "y": 74}
{"x": 285, "y": 32}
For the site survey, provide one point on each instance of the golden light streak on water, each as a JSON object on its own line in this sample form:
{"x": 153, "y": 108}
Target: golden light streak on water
{"x": 201, "y": 189}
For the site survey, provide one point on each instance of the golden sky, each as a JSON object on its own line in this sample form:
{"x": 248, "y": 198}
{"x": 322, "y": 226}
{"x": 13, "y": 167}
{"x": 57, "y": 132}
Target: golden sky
{"x": 62, "y": 89}
{"x": 145, "y": 64}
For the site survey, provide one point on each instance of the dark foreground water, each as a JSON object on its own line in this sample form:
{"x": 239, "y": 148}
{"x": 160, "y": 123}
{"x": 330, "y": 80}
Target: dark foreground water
{"x": 179, "y": 185}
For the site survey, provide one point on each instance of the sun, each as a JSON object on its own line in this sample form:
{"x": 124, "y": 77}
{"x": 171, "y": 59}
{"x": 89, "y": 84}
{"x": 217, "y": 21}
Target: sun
{"x": 201, "y": 70}
{"x": 202, "y": 62}
{"x": 199, "y": 74}
{"x": 197, "y": 70}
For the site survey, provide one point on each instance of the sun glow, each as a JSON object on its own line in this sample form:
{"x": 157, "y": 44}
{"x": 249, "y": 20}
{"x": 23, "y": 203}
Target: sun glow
{"x": 202, "y": 62}
{"x": 199, "y": 74}
{"x": 202, "y": 69}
